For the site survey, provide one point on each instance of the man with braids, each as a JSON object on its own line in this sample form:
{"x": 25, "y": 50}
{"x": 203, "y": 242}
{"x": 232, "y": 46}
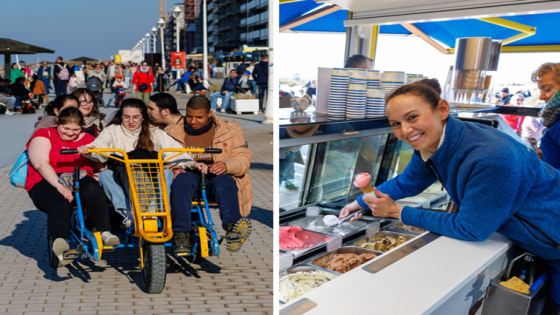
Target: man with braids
{"x": 228, "y": 181}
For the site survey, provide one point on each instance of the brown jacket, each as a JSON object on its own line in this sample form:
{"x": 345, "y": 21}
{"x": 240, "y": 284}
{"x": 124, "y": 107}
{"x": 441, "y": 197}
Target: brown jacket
{"x": 39, "y": 88}
{"x": 235, "y": 154}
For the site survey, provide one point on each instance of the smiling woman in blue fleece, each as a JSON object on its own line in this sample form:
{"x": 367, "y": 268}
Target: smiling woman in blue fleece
{"x": 498, "y": 184}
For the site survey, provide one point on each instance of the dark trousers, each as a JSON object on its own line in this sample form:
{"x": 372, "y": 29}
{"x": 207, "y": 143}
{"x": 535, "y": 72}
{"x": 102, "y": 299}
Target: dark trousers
{"x": 47, "y": 199}
{"x": 60, "y": 87}
{"x": 185, "y": 187}
{"x": 286, "y": 164}
{"x": 262, "y": 91}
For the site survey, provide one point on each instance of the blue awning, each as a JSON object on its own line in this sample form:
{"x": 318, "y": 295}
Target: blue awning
{"x": 445, "y": 32}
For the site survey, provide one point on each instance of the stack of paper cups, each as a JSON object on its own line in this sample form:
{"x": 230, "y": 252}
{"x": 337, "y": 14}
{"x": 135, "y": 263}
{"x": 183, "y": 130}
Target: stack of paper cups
{"x": 357, "y": 92}
{"x": 375, "y": 104}
{"x": 338, "y": 91}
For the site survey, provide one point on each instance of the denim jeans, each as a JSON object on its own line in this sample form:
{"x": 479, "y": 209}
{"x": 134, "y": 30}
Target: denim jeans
{"x": 262, "y": 91}
{"x": 116, "y": 195}
{"x": 226, "y": 97}
{"x": 111, "y": 98}
{"x": 60, "y": 87}
{"x": 185, "y": 188}
{"x": 10, "y": 101}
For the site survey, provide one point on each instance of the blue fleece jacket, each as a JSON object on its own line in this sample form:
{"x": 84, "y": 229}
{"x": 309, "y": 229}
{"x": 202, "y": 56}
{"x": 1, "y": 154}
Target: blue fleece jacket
{"x": 550, "y": 146}
{"x": 490, "y": 177}
{"x": 260, "y": 73}
{"x": 230, "y": 84}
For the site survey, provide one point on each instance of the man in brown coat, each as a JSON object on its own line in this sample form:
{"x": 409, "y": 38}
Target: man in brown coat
{"x": 228, "y": 181}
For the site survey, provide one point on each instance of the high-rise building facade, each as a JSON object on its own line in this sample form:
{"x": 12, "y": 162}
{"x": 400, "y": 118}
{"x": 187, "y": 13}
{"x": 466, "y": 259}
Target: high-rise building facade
{"x": 234, "y": 23}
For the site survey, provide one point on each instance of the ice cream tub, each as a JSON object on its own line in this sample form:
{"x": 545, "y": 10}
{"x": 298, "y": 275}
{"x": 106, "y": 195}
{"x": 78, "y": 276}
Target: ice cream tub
{"x": 299, "y": 280}
{"x": 322, "y": 261}
{"x": 316, "y": 224}
{"x": 376, "y": 242}
{"x": 296, "y": 241}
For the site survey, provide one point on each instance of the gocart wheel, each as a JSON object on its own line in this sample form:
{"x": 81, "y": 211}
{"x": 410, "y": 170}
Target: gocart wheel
{"x": 154, "y": 273}
{"x": 54, "y": 262}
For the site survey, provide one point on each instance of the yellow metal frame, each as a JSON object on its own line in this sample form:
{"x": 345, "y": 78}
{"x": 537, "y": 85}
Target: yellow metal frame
{"x": 203, "y": 241}
{"x": 525, "y": 30}
{"x": 99, "y": 242}
{"x": 374, "y": 39}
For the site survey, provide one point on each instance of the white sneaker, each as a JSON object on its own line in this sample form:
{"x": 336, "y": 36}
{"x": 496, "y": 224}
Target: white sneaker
{"x": 109, "y": 239}
{"x": 8, "y": 113}
{"x": 59, "y": 247}
{"x": 223, "y": 110}
{"x": 129, "y": 219}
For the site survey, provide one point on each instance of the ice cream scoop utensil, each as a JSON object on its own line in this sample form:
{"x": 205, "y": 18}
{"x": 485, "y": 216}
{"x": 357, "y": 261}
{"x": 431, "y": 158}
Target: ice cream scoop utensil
{"x": 339, "y": 222}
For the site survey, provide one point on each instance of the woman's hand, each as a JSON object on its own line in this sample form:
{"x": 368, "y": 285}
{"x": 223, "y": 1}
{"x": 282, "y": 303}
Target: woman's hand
{"x": 348, "y": 209}
{"x": 84, "y": 149}
{"x": 201, "y": 167}
{"x": 67, "y": 193}
{"x": 383, "y": 206}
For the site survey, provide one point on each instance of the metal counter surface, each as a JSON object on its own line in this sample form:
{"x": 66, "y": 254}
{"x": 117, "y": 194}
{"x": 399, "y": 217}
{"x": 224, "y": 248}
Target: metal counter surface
{"x": 439, "y": 273}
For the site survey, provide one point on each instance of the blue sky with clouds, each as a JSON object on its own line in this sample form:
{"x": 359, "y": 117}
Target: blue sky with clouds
{"x": 76, "y": 28}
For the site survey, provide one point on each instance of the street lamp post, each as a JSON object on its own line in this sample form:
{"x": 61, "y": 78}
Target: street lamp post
{"x": 154, "y": 33}
{"x": 205, "y": 42}
{"x": 176, "y": 14}
{"x": 161, "y": 25}
{"x": 148, "y": 43}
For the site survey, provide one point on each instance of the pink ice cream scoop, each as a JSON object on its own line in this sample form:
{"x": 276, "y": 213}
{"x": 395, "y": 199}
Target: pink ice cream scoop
{"x": 363, "y": 181}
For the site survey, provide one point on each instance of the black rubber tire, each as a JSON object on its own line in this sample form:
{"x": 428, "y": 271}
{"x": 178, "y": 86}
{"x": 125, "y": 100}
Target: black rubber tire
{"x": 155, "y": 268}
{"x": 54, "y": 262}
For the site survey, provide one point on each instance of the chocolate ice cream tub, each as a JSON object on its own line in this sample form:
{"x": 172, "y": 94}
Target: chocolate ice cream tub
{"x": 381, "y": 235}
{"x": 321, "y": 260}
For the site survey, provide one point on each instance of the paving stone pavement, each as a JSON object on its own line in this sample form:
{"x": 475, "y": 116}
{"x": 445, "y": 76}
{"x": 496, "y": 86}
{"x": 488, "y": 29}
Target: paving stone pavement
{"x": 233, "y": 283}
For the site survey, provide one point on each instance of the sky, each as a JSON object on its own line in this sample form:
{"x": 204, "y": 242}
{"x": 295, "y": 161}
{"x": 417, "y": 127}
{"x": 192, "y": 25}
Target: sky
{"x": 303, "y": 53}
{"x": 76, "y": 28}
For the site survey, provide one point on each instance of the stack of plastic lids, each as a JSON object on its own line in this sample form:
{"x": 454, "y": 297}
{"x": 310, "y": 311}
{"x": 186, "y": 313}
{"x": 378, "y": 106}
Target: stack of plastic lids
{"x": 375, "y": 104}
{"x": 390, "y": 80}
{"x": 374, "y": 79}
{"x": 357, "y": 92}
{"x": 338, "y": 91}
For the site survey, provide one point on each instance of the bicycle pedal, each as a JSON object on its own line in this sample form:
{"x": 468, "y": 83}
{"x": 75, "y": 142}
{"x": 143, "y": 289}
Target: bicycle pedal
{"x": 108, "y": 249}
{"x": 233, "y": 237}
{"x": 221, "y": 240}
{"x": 71, "y": 254}
{"x": 183, "y": 254}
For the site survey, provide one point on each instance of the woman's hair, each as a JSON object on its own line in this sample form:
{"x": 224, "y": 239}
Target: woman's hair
{"x": 426, "y": 90}
{"x": 14, "y": 64}
{"x": 35, "y": 78}
{"x": 71, "y": 115}
{"x": 81, "y": 91}
{"x": 145, "y": 138}
{"x": 191, "y": 77}
{"x": 58, "y": 103}
{"x": 546, "y": 68}
{"x": 433, "y": 83}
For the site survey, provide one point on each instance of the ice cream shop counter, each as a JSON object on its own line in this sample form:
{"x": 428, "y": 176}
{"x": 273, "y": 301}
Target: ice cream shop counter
{"x": 372, "y": 265}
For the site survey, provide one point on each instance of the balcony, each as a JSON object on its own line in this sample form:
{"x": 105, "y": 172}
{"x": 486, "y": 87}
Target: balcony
{"x": 262, "y": 4}
{"x": 264, "y": 33}
{"x": 264, "y": 17}
{"x": 213, "y": 39}
{"x": 253, "y": 35}
{"x": 213, "y": 5}
{"x": 243, "y": 7}
{"x": 243, "y": 22}
{"x": 252, "y": 4}
{"x": 253, "y": 19}
{"x": 213, "y": 28}
{"x": 212, "y": 17}
{"x": 243, "y": 36}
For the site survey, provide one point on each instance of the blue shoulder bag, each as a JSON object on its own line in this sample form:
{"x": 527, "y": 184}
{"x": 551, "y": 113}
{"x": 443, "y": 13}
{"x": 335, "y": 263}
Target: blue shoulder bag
{"x": 19, "y": 172}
